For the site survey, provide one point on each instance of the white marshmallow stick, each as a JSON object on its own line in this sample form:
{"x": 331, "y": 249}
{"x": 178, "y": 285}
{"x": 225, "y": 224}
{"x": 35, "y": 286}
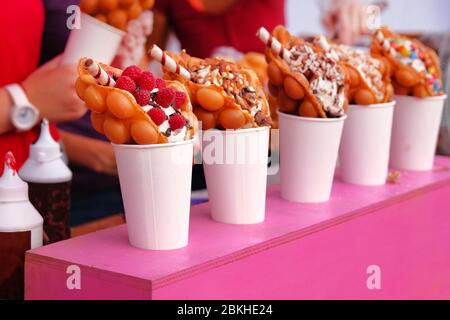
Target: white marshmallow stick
{"x": 385, "y": 43}
{"x": 102, "y": 77}
{"x": 323, "y": 43}
{"x": 273, "y": 44}
{"x": 166, "y": 61}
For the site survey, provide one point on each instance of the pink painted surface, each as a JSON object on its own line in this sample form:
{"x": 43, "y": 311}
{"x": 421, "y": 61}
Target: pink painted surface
{"x": 301, "y": 251}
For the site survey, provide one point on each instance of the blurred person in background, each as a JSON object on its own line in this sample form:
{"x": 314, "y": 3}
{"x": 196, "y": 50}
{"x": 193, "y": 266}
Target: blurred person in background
{"x": 95, "y": 185}
{"x": 29, "y": 93}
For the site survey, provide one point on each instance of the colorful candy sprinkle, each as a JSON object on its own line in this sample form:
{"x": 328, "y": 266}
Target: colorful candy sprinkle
{"x": 421, "y": 55}
{"x": 413, "y": 55}
{"x": 404, "y": 52}
{"x": 437, "y": 86}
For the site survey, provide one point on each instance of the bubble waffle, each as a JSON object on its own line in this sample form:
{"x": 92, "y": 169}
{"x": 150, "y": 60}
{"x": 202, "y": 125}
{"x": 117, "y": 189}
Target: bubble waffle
{"x": 304, "y": 80}
{"x": 225, "y": 95}
{"x": 368, "y": 77}
{"x": 415, "y": 68}
{"x": 256, "y": 62}
{"x": 115, "y": 12}
{"x": 117, "y": 115}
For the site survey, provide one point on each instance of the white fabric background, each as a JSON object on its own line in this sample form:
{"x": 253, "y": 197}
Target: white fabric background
{"x": 404, "y": 15}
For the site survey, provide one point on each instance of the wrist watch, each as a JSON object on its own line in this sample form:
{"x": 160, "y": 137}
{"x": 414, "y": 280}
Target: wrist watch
{"x": 24, "y": 114}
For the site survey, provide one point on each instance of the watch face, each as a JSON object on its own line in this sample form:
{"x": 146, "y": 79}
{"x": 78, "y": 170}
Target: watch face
{"x": 25, "y": 117}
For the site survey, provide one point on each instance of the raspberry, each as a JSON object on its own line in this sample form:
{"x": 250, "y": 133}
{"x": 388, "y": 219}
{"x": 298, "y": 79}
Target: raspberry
{"x": 126, "y": 83}
{"x": 142, "y": 97}
{"x": 158, "y": 116}
{"x": 160, "y": 83}
{"x": 177, "y": 121}
{"x": 146, "y": 81}
{"x": 134, "y": 72}
{"x": 165, "y": 97}
{"x": 180, "y": 99}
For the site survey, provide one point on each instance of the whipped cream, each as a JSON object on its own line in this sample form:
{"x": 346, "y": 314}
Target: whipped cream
{"x": 325, "y": 76}
{"x": 223, "y": 74}
{"x": 172, "y": 135}
{"x": 369, "y": 68}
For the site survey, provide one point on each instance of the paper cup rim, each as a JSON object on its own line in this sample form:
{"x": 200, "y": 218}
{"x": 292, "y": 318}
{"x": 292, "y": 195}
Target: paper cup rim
{"x": 373, "y": 106}
{"x": 103, "y": 24}
{"x": 152, "y": 146}
{"x": 435, "y": 98}
{"x": 299, "y": 118}
{"x": 239, "y": 131}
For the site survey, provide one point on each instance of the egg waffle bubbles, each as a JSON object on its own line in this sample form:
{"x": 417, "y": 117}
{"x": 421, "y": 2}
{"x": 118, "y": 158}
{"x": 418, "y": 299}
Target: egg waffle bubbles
{"x": 132, "y": 107}
{"x": 225, "y": 95}
{"x": 305, "y": 81}
{"x": 116, "y": 13}
{"x": 415, "y": 68}
{"x": 368, "y": 77}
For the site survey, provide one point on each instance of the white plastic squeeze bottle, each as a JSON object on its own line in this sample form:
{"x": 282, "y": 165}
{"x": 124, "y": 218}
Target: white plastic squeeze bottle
{"x": 49, "y": 181}
{"x": 20, "y": 230}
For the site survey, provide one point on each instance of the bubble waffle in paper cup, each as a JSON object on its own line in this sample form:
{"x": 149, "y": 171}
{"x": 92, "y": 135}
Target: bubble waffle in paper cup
{"x": 415, "y": 68}
{"x": 116, "y": 114}
{"x": 304, "y": 80}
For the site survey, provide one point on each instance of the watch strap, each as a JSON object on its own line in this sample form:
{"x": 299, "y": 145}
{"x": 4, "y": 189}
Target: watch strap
{"x": 18, "y": 95}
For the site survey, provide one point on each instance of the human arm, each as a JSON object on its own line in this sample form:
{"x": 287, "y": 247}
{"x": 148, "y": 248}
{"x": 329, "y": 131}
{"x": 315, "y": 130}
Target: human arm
{"x": 91, "y": 153}
{"x": 51, "y": 89}
{"x": 345, "y": 20}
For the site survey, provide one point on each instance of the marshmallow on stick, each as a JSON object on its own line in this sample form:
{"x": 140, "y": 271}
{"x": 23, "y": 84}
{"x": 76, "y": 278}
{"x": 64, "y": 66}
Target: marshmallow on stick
{"x": 273, "y": 43}
{"x": 158, "y": 54}
{"x": 102, "y": 77}
{"x": 384, "y": 43}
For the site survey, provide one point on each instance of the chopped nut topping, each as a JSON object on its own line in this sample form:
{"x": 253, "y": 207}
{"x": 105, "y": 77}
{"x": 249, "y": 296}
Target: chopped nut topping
{"x": 325, "y": 75}
{"x": 226, "y": 75}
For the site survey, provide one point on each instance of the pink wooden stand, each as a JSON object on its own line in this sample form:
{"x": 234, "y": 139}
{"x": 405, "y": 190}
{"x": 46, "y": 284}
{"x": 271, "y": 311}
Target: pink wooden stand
{"x": 300, "y": 252}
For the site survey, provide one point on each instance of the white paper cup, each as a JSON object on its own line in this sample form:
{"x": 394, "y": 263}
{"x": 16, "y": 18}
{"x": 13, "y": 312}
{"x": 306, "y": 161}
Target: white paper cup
{"x": 415, "y": 132}
{"x": 235, "y": 164}
{"x": 156, "y": 187}
{"x": 94, "y": 39}
{"x": 308, "y": 153}
{"x": 366, "y": 139}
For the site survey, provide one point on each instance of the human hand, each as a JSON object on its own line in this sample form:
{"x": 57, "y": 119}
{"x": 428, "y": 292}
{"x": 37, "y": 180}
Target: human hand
{"x": 93, "y": 154}
{"x": 100, "y": 157}
{"x": 345, "y": 20}
{"x": 51, "y": 88}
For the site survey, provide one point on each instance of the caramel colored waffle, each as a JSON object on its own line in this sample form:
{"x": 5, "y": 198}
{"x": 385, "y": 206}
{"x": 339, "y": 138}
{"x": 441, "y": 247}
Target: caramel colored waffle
{"x": 415, "y": 68}
{"x": 256, "y": 62}
{"x": 116, "y": 13}
{"x": 225, "y": 95}
{"x": 117, "y": 115}
{"x": 293, "y": 88}
{"x": 368, "y": 77}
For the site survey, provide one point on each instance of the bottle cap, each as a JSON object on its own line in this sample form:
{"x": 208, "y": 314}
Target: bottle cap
{"x": 45, "y": 164}
{"x": 45, "y": 149}
{"x": 12, "y": 188}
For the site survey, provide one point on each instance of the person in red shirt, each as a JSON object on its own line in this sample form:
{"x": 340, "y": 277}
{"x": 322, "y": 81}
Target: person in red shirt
{"x": 202, "y": 26}
{"x": 49, "y": 89}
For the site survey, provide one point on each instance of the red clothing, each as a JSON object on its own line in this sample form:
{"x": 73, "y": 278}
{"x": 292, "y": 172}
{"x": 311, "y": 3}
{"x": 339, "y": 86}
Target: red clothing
{"x": 21, "y": 26}
{"x": 200, "y": 32}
